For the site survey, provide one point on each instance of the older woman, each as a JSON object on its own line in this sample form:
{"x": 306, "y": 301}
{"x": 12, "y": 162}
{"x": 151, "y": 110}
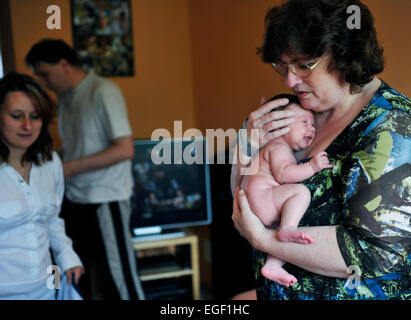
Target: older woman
{"x": 31, "y": 192}
{"x": 359, "y": 215}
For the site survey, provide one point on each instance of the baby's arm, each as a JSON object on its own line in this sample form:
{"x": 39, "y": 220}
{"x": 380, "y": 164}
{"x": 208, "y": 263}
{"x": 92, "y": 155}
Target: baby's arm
{"x": 284, "y": 166}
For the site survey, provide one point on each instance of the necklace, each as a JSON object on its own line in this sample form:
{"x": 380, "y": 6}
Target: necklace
{"x": 23, "y": 171}
{"x": 26, "y": 172}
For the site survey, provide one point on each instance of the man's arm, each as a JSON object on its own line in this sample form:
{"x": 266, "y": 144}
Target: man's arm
{"x": 120, "y": 150}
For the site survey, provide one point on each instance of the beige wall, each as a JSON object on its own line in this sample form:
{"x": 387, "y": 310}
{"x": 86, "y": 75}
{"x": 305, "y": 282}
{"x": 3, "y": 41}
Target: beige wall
{"x": 195, "y": 60}
{"x": 161, "y": 89}
{"x": 393, "y": 24}
{"x": 229, "y": 78}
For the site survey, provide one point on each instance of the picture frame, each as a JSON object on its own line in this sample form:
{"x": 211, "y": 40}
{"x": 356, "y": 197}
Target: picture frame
{"x": 102, "y": 36}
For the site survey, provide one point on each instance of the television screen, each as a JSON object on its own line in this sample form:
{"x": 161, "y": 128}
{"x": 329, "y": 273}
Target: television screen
{"x": 171, "y": 184}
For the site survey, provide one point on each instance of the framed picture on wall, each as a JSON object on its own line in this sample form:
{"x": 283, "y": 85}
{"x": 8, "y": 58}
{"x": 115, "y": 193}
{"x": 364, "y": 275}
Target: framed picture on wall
{"x": 102, "y": 36}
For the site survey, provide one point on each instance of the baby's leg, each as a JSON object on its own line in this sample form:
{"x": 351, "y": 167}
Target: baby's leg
{"x": 261, "y": 201}
{"x": 292, "y": 210}
{"x": 273, "y": 270}
{"x": 291, "y": 200}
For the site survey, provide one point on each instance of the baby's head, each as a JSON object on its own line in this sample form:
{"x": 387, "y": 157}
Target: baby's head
{"x": 302, "y": 131}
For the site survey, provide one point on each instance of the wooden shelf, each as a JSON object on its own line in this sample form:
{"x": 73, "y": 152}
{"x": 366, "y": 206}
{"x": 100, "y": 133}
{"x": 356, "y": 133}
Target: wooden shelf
{"x": 163, "y": 275}
{"x": 173, "y": 269}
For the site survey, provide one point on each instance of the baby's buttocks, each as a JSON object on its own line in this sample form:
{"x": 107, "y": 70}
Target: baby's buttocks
{"x": 258, "y": 182}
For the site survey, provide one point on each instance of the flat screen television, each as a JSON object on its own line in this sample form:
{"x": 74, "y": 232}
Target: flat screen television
{"x": 171, "y": 187}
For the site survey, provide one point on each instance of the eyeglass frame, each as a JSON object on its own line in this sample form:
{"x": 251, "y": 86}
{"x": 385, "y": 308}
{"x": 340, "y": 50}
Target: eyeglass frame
{"x": 293, "y": 66}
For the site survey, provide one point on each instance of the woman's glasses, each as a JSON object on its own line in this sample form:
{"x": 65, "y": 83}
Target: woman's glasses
{"x": 301, "y": 69}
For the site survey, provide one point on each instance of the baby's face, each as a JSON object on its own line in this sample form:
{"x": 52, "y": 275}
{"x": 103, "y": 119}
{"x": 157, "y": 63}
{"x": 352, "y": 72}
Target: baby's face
{"x": 302, "y": 131}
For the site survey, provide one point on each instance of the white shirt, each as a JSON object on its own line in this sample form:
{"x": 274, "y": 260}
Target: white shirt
{"x": 29, "y": 226}
{"x": 90, "y": 117}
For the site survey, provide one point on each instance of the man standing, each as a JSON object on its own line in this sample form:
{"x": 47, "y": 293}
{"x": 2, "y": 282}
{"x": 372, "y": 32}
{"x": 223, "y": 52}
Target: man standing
{"x": 96, "y": 153}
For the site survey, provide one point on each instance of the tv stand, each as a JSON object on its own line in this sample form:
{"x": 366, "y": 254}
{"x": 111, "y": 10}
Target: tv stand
{"x": 158, "y": 235}
{"x": 172, "y": 275}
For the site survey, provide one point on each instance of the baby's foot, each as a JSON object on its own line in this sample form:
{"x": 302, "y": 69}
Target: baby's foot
{"x": 277, "y": 274}
{"x": 287, "y": 234}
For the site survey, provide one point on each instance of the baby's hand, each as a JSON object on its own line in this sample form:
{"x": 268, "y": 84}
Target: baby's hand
{"x": 320, "y": 161}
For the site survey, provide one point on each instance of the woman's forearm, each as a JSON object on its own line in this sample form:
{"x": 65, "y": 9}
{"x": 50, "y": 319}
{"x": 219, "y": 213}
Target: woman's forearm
{"x": 321, "y": 257}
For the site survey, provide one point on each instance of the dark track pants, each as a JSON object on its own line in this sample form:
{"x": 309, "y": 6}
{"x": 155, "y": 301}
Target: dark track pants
{"x": 102, "y": 239}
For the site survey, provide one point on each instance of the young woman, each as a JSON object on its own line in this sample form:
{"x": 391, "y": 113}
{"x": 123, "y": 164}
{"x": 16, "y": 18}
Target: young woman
{"x": 31, "y": 192}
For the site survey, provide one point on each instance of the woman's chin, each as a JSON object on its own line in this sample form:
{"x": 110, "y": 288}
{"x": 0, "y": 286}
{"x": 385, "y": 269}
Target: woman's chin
{"x": 309, "y": 104}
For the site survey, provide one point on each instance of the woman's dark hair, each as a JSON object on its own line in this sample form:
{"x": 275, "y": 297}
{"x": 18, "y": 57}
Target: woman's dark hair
{"x": 310, "y": 28}
{"x": 41, "y": 150}
{"x": 51, "y": 51}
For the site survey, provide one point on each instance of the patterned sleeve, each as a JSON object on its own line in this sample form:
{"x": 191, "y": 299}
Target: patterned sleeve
{"x": 376, "y": 235}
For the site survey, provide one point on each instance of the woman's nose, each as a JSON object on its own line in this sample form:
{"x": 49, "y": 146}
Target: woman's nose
{"x": 27, "y": 123}
{"x": 292, "y": 79}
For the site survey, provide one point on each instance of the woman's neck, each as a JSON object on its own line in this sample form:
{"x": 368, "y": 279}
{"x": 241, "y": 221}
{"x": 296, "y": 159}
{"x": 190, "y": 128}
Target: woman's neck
{"x": 16, "y": 157}
{"x": 331, "y": 123}
{"x": 22, "y": 167}
{"x": 351, "y": 105}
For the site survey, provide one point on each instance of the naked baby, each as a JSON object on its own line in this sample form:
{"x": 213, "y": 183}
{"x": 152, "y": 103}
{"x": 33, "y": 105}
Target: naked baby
{"x": 274, "y": 193}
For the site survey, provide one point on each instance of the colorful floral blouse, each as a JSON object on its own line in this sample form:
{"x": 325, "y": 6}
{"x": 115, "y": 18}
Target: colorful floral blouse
{"x": 368, "y": 196}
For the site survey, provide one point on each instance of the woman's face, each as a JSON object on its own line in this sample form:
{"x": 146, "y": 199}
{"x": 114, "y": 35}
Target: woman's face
{"x": 321, "y": 90}
{"x": 20, "y": 122}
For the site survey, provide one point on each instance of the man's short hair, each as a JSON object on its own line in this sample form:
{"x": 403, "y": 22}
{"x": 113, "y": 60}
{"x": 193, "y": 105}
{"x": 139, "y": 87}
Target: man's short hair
{"x": 51, "y": 51}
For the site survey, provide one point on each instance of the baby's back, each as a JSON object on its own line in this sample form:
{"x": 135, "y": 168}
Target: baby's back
{"x": 264, "y": 177}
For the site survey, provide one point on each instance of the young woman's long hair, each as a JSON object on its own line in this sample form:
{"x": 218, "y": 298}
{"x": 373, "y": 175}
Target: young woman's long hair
{"x": 41, "y": 150}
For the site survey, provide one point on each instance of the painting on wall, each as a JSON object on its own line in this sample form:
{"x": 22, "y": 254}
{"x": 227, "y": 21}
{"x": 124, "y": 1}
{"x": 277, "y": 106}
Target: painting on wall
{"x": 102, "y": 36}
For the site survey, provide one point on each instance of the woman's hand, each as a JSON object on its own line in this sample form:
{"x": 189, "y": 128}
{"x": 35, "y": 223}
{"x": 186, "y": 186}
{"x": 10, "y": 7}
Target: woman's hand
{"x": 78, "y": 271}
{"x": 245, "y": 221}
{"x": 322, "y": 257}
{"x": 265, "y": 121}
